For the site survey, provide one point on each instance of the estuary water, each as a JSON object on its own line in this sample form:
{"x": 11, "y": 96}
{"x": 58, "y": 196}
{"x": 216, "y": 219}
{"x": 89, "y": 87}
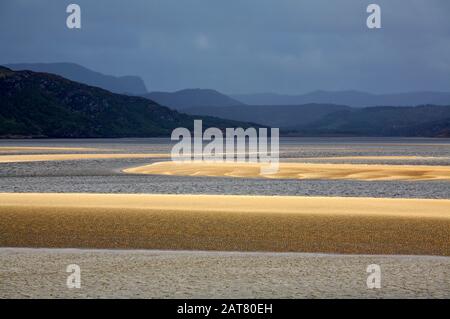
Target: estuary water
{"x": 106, "y": 176}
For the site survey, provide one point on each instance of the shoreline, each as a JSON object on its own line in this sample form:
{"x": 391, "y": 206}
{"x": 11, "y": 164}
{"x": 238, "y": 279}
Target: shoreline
{"x": 206, "y": 253}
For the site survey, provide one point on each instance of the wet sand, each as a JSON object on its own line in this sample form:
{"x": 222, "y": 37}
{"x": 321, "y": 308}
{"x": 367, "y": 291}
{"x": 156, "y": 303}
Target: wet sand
{"x": 41, "y": 273}
{"x": 226, "y": 223}
{"x": 363, "y": 172}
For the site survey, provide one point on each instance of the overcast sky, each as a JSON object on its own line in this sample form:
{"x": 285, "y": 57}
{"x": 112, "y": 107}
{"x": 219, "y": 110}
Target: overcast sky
{"x": 240, "y": 46}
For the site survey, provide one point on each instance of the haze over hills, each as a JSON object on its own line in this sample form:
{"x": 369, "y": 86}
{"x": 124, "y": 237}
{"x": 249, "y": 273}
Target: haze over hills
{"x": 423, "y": 121}
{"x": 283, "y": 116}
{"x": 46, "y": 105}
{"x": 183, "y": 99}
{"x": 339, "y": 120}
{"x": 133, "y": 85}
{"x": 350, "y": 98}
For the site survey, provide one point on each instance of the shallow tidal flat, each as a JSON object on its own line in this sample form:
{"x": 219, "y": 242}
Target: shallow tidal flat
{"x": 226, "y": 223}
{"x": 75, "y": 194}
{"x": 41, "y": 273}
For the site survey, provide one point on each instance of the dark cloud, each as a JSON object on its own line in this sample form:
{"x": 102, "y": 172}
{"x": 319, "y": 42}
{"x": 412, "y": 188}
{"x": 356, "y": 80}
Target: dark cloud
{"x": 238, "y": 46}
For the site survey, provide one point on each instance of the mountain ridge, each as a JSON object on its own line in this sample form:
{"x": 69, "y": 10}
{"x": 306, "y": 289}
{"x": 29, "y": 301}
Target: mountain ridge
{"x": 34, "y": 104}
{"x": 187, "y": 98}
{"x": 42, "y": 105}
{"x": 132, "y": 85}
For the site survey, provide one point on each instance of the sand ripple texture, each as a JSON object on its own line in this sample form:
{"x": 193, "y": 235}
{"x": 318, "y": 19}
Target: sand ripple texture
{"x": 34, "y": 273}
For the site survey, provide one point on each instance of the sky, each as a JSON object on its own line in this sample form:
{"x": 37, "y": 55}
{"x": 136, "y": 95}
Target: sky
{"x": 240, "y": 46}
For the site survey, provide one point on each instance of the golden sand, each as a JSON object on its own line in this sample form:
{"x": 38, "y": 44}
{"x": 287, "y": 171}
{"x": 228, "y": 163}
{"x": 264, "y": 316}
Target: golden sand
{"x": 363, "y": 172}
{"x": 71, "y": 157}
{"x": 226, "y": 223}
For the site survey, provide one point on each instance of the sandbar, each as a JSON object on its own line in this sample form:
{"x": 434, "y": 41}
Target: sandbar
{"x": 364, "y": 172}
{"x": 226, "y": 223}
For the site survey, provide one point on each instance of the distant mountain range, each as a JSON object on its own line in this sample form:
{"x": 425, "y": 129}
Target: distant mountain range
{"x": 183, "y": 99}
{"x": 190, "y": 98}
{"x": 132, "y": 85}
{"x": 423, "y": 121}
{"x": 46, "y": 105}
{"x": 34, "y": 104}
{"x": 123, "y": 85}
{"x": 338, "y": 120}
{"x": 350, "y": 98}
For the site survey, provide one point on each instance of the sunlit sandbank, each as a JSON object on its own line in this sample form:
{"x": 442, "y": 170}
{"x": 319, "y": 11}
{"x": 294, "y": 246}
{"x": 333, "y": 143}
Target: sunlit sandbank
{"x": 226, "y": 223}
{"x": 363, "y": 172}
{"x": 72, "y": 157}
